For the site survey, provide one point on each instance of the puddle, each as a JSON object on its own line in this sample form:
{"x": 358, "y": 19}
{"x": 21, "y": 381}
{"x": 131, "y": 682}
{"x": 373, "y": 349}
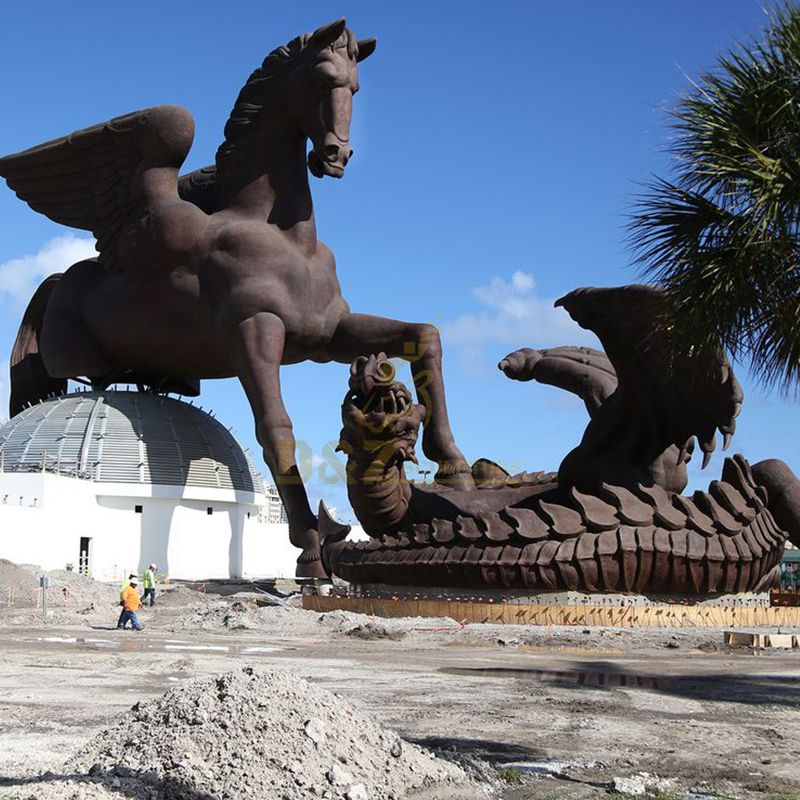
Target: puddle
{"x": 577, "y": 678}
{"x": 128, "y": 643}
{"x": 506, "y": 755}
{"x": 546, "y": 768}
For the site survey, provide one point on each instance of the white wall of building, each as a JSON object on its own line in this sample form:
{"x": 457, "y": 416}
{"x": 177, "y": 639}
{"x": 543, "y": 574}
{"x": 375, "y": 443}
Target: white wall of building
{"x": 43, "y": 517}
{"x": 268, "y": 543}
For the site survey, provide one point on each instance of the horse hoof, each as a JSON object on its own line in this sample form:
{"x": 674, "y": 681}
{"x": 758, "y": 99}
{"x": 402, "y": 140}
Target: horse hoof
{"x": 455, "y": 477}
{"x": 311, "y": 569}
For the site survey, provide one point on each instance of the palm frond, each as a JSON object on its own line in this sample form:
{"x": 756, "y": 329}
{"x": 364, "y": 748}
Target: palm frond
{"x": 723, "y": 234}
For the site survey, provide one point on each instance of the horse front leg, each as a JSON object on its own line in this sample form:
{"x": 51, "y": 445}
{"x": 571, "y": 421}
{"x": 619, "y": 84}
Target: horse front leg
{"x": 258, "y": 351}
{"x": 420, "y": 344}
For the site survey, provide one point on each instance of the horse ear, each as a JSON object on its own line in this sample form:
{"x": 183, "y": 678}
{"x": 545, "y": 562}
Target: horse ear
{"x": 366, "y": 47}
{"x": 328, "y": 34}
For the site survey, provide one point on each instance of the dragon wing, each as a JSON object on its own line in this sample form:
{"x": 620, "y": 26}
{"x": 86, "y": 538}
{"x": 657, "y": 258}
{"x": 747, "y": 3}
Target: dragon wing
{"x": 583, "y": 371}
{"x": 96, "y": 178}
{"x": 682, "y": 398}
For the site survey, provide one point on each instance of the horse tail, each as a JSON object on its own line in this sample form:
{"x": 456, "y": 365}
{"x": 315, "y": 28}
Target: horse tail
{"x": 30, "y": 381}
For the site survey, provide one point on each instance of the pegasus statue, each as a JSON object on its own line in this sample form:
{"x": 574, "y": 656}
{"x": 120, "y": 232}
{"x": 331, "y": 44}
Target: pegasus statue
{"x": 612, "y": 519}
{"x": 218, "y": 273}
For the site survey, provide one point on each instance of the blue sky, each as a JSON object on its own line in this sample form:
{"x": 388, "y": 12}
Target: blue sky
{"x": 497, "y": 149}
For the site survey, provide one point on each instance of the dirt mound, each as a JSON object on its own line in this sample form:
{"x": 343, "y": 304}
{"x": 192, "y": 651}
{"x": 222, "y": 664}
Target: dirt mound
{"x": 370, "y": 631}
{"x": 352, "y": 624}
{"x": 180, "y": 595}
{"x": 250, "y": 734}
{"x": 243, "y": 612}
{"x": 23, "y": 580}
{"x": 223, "y": 616}
{"x": 81, "y": 590}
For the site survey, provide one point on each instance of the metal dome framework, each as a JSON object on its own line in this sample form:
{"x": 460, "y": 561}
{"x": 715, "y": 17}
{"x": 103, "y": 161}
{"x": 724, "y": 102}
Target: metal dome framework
{"x": 127, "y": 437}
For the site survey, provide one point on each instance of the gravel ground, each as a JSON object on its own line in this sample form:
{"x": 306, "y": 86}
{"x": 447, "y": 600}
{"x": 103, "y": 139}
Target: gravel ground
{"x": 251, "y": 734}
{"x": 561, "y": 712}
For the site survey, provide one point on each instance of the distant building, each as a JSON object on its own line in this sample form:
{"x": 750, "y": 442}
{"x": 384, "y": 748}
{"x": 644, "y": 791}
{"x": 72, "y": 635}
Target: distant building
{"x": 273, "y": 511}
{"x": 111, "y": 481}
{"x": 790, "y": 567}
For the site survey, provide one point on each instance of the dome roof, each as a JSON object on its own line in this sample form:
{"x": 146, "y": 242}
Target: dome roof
{"x": 127, "y": 437}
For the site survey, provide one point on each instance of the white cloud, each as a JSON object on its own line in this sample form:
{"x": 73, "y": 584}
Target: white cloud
{"x": 19, "y": 277}
{"x": 513, "y": 316}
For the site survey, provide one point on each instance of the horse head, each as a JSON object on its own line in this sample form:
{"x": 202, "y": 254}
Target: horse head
{"x": 308, "y": 85}
{"x": 330, "y": 79}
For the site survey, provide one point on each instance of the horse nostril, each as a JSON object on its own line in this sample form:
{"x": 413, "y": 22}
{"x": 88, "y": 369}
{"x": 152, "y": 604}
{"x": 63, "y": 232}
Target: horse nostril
{"x": 331, "y": 151}
{"x": 349, "y": 155}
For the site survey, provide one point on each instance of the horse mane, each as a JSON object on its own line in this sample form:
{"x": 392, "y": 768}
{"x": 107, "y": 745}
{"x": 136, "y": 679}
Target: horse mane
{"x": 251, "y": 100}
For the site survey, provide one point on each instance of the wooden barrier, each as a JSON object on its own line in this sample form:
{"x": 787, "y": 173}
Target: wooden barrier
{"x": 655, "y": 615}
{"x": 779, "y": 597}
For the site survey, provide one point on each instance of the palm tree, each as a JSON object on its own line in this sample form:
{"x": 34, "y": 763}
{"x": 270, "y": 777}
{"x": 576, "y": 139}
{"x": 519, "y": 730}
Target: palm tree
{"x": 723, "y": 233}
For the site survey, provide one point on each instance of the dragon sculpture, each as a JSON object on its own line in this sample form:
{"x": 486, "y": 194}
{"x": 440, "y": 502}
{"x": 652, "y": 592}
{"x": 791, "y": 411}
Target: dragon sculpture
{"x": 612, "y": 519}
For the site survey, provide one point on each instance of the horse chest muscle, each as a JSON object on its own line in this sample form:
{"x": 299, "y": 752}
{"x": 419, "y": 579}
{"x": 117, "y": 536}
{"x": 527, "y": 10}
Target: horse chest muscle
{"x": 302, "y": 290}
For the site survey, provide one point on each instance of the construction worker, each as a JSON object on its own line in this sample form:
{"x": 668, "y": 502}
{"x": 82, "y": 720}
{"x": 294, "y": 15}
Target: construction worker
{"x": 125, "y": 584}
{"x": 150, "y": 585}
{"x": 131, "y": 603}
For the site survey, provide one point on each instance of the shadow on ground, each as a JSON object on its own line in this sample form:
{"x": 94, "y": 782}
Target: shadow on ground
{"x": 527, "y": 762}
{"x": 752, "y": 689}
{"x": 485, "y": 749}
{"x": 135, "y": 784}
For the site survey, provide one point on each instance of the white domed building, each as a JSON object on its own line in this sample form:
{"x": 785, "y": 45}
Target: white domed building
{"x": 112, "y": 481}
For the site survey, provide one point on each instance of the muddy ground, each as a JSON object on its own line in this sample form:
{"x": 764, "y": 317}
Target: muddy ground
{"x": 557, "y": 712}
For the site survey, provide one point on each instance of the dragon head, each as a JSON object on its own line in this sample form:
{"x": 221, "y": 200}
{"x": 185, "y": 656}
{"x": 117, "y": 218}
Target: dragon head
{"x": 380, "y": 421}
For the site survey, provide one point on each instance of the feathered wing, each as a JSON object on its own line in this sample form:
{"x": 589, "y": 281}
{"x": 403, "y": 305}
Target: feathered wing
{"x": 672, "y": 400}
{"x": 95, "y": 178}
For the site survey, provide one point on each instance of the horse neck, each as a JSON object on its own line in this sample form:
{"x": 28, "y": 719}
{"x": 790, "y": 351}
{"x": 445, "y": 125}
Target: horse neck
{"x": 269, "y": 180}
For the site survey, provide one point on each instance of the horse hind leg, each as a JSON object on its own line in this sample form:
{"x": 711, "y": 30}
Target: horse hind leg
{"x": 67, "y": 345}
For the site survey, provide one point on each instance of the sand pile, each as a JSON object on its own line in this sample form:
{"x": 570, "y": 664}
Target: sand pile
{"x": 179, "y": 595}
{"x": 226, "y": 616}
{"x": 82, "y": 591}
{"x": 250, "y": 734}
{"x": 23, "y": 580}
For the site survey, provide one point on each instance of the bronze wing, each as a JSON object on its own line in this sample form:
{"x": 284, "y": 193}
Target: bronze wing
{"x": 646, "y": 403}
{"x": 687, "y": 396}
{"x": 96, "y": 178}
{"x": 584, "y": 371}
